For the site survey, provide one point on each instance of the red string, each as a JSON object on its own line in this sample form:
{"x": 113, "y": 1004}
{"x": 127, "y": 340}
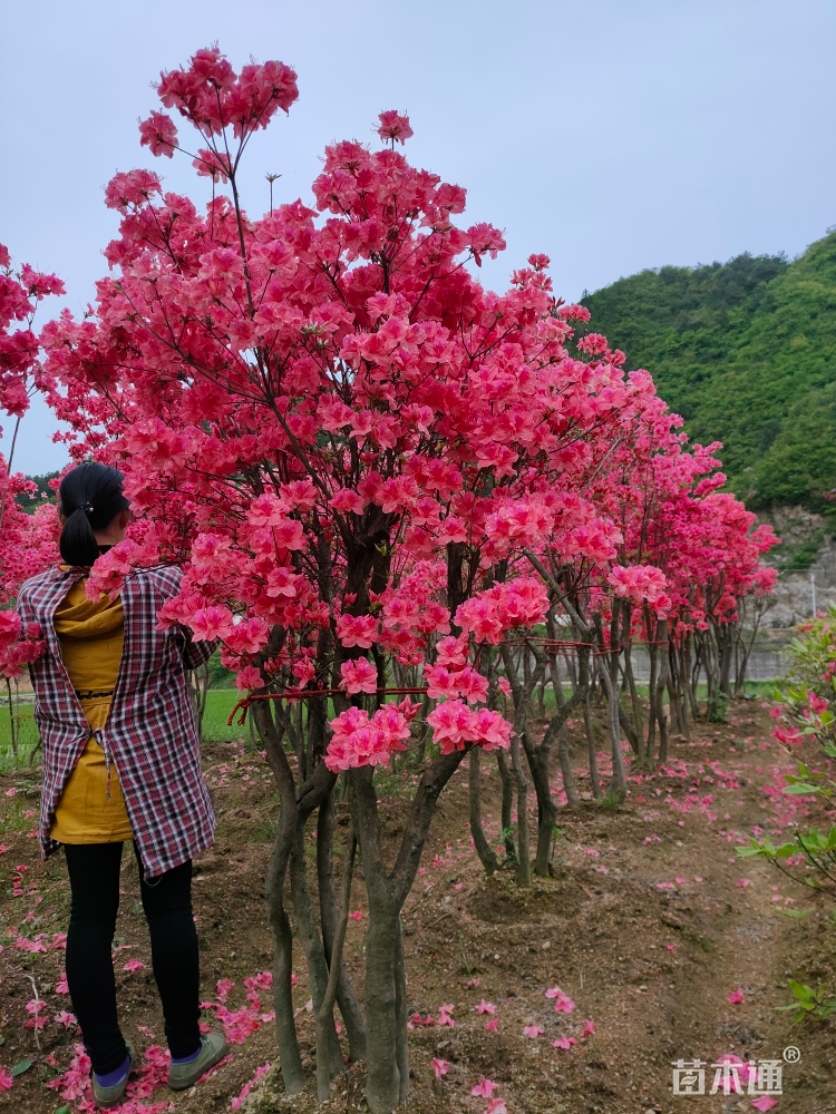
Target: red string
{"x": 550, "y": 645}
{"x": 303, "y": 694}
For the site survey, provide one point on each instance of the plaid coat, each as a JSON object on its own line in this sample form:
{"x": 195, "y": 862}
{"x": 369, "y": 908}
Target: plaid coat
{"x": 150, "y": 733}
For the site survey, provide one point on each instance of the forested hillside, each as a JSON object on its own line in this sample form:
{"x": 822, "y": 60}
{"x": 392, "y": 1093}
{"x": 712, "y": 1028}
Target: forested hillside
{"x": 746, "y": 352}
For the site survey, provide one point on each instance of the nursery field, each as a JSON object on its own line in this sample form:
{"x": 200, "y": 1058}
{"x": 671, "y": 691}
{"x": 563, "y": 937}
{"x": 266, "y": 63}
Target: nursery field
{"x": 652, "y": 943}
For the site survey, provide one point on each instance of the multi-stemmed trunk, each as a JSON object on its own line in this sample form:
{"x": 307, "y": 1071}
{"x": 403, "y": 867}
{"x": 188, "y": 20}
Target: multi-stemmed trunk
{"x": 387, "y": 1056}
{"x": 296, "y": 804}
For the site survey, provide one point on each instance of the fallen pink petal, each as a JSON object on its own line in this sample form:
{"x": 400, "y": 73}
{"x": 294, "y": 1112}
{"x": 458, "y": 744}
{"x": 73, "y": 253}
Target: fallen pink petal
{"x": 564, "y": 1042}
{"x": 496, "y": 1106}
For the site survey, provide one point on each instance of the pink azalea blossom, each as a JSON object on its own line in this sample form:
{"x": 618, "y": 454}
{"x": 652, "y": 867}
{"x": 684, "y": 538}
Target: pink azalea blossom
{"x": 765, "y": 1102}
{"x": 394, "y": 126}
{"x": 736, "y": 997}
{"x": 485, "y": 1007}
{"x": 484, "y": 1089}
{"x": 533, "y": 1031}
{"x": 440, "y": 1067}
{"x": 564, "y": 1042}
{"x": 223, "y": 988}
{"x": 562, "y": 1002}
{"x": 238, "y": 1101}
{"x": 359, "y": 675}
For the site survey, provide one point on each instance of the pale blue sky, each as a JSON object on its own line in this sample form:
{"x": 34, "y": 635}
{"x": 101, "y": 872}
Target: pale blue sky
{"x": 613, "y": 135}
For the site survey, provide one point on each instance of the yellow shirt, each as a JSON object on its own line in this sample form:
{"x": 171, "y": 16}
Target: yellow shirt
{"x": 91, "y": 635}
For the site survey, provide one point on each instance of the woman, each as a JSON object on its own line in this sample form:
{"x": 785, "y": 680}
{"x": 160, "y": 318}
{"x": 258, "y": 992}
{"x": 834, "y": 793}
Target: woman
{"x": 121, "y": 762}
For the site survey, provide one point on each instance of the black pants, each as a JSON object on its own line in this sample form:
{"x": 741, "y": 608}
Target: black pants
{"x": 167, "y": 901}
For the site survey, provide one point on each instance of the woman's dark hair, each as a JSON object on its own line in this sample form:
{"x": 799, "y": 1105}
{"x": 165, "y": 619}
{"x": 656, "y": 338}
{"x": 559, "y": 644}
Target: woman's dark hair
{"x": 89, "y": 498}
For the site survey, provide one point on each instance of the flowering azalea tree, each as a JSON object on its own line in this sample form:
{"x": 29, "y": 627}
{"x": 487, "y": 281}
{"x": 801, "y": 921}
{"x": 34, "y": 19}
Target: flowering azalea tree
{"x": 27, "y": 542}
{"x": 344, "y": 436}
{"x": 660, "y": 548}
{"x": 381, "y": 479}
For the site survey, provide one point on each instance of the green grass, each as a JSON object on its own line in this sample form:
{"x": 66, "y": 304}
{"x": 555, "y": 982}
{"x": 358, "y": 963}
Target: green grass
{"x": 27, "y": 739}
{"x": 21, "y": 814}
{"x": 219, "y": 704}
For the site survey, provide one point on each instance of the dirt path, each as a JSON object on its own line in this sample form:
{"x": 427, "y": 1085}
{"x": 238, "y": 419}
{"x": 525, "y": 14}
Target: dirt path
{"x": 649, "y": 926}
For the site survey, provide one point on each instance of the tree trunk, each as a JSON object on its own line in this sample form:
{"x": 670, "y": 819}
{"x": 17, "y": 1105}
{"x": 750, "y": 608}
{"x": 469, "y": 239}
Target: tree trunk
{"x": 487, "y": 855}
{"x": 565, "y": 757}
{"x": 14, "y": 718}
{"x": 289, "y": 1056}
{"x": 652, "y": 718}
{"x": 199, "y": 685}
{"x": 592, "y": 756}
{"x": 352, "y": 1015}
{"x": 628, "y": 729}
{"x": 325, "y": 1014}
{"x": 384, "y": 1087}
{"x": 725, "y": 645}
{"x": 629, "y": 676}
{"x": 523, "y": 858}
{"x": 618, "y": 786}
{"x": 401, "y": 1014}
{"x": 507, "y": 807}
{"x": 563, "y": 753}
{"x": 387, "y": 1062}
{"x": 659, "y": 695}
{"x": 383, "y": 1083}
{"x": 546, "y": 808}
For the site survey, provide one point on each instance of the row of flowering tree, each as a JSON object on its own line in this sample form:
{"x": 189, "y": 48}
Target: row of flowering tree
{"x": 27, "y": 541}
{"x": 405, "y": 505}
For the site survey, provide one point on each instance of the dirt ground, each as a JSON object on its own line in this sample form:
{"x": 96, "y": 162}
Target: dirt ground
{"x": 651, "y": 927}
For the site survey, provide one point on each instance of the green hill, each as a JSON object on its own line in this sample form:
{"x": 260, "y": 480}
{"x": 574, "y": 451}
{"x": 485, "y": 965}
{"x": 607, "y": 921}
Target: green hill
{"x": 746, "y": 352}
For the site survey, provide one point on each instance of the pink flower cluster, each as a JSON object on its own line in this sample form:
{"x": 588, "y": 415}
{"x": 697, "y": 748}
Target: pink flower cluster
{"x": 489, "y": 614}
{"x": 639, "y": 583}
{"x": 20, "y": 294}
{"x": 248, "y": 1018}
{"x": 212, "y": 97}
{"x": 362, "y": 740}
{"x": 454, "y": 725}
{"x": 394, "y": 127}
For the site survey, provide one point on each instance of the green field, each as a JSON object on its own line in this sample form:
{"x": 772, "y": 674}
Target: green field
{"x": 219, "y": 703}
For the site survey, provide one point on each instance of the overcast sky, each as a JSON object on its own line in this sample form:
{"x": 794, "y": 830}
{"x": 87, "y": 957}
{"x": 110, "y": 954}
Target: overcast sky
{"x": 613, "y": 135}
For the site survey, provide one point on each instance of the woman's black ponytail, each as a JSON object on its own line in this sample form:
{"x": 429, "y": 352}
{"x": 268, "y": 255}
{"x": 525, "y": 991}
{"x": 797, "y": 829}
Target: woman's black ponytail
{"x": 90, "y": 497}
